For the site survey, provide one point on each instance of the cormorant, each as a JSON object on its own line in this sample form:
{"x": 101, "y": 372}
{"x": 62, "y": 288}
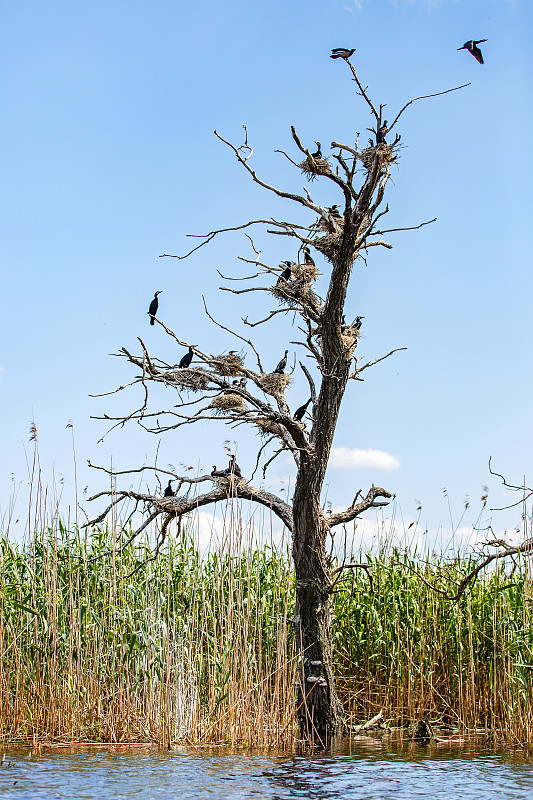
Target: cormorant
{"x": 186, "y": 360}
{"x": 308, "y": 258}
{"x": 342, "y": 52}
{"x": 472, "y": 47}
{"x": 217, "y": 473}
{"x": 343, "y": 323}
{"x": 380, "y": 135}
{"x": 357, "y": 324}
{"x": 299, "y": 413}
{"x": 152, "y": 308}
{"x": 287, "y": 272}
{"x": 318, "y": 153}
{"x": 282, "y": 364}
{"x": 334, "y": 211}
{"x": 168, "y": 491}
{"x": 233, "y": 468}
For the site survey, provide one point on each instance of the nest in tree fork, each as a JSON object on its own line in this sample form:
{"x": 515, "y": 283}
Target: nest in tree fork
{"x": 191, "y": 380}
{"x": 385, "y": 153}
{"x": 228, "y": 401}
{"x": 312, "y": 167}
{"x": 274, "y": 383}
{"x": 226, "y": 365}
{"x": 266, "y": 426}
{"x": 298, "y": 288}
{"x": 349, "y": 337}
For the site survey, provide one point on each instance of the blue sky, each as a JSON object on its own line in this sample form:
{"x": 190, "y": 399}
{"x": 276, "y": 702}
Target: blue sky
{"x": 108, "y": 159}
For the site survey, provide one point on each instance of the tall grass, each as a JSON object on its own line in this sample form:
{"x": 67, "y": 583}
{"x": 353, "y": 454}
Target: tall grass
{"x": 103, "y": 644}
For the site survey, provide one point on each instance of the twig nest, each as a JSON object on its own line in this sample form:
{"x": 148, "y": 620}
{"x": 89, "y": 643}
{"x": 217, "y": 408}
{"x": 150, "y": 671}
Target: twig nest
{"x": 274, "y": 383}
{"x": 190, "y": 380}
{"x": 266, "y": 426}
{"x": 349, "y": 337}
{"x": 312, "y": 167}
{"x": 230, "y": 364}
{"x": 383, "y": 152}
{"x": 228, "y": 401}
{"x": 304, "y": 272}
{"x": 331, "y": 225}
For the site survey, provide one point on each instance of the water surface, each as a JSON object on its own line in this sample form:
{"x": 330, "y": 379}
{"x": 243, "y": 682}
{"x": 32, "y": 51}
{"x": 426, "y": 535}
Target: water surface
{"x": 360, "y": 771}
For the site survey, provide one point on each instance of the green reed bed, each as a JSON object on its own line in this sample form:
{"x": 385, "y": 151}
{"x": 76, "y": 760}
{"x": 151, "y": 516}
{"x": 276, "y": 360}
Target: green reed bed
{"x": 100, "y": 643}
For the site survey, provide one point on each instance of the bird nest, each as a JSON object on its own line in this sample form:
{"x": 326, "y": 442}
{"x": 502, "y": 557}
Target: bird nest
{"x": 191, "y": 380}
{"x": 305, "y": 272}
{"x": 312, "y": 167}
{"x": 266, "y": 426}
{"x": 349, "y": 337}
{"x": 274, "y": 383}
{"x": 385, "y": 153}
{"x": 225, "y": 365}
{"x": 229, "y": 401}
{"x": 330, "y": 225}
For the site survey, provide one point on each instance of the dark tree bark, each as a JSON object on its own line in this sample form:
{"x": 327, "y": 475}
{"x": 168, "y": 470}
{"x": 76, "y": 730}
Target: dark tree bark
{"x": 341, "y": 239}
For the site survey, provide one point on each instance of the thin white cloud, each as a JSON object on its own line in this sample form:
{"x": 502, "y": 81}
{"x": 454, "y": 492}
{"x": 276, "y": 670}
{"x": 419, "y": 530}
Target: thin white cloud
{"x": 348, "y": 458}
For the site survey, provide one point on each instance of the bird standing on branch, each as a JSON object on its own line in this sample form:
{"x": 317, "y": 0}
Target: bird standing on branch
{"x": 472, "y": 47}
{"x": 342, "y": 52}
{"x": 287, "y": 272}
{"x": 168, "y": 491}
{"x": 217, "y": 473}
{"x": 380, "y": 135}
{"x": 334, "y": 211}
{"x": 234, "y": 468}
{"x": 299, "y": 413}
{"x": 357, "y": 324}
{"x": 282, "y": 364}
{"x": 308, "y": 259}
{"x": 186, "y": 360}
{"x": 152, "y": 309}
{"x": 318, "y": 153}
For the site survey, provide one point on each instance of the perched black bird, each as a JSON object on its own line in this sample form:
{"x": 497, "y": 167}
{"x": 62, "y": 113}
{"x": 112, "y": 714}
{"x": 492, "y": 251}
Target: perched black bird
{"x": 334, "y": 211}
{"x": 357, "y": 324}
{"x": 217, "y": 473}
{"x": 168, "y": 491}
{"x": 282, "y": 364}
{"x": 233, "y": 468}
{"x": 287, "y": 272}
{"x": 308, "y": 258}
{"x": 242, "y": 383}
{"x": 472, "y": 47}
{"x": 318, "y": 153}
{"x": 299, "y": 413}
{"x": 343, "y": 323}
{"x": 342, "y": 52}
{"x": 380, "y": 135}
{"x": 152, "y": 308}
{"x": 186, "y": 360}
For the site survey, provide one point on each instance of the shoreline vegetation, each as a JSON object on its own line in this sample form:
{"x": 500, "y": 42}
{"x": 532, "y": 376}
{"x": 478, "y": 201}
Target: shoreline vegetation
{"x": 101, "y": 643}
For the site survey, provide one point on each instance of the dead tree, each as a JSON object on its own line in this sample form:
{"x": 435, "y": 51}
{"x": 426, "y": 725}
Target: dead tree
{"x": 226, "y": 387}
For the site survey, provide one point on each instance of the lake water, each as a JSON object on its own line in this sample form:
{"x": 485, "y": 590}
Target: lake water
{"x": 360, "y": 771}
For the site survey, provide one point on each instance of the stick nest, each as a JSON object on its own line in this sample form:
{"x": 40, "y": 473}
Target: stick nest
{"x": 266, "y": 426}
{"x": 385, "y": 153}
{"x": 226, "y": 365}
{"x": 329, "y": 245}
{"x": 349, "y": 337}
{"x": 274, "y": 383}
{"x": 229, "y": 401}
{"x": 330, "y": 225}
{"x": 298, "y": 288}
{"x": 191, "y": 380}
{"x": 312, "y": 167}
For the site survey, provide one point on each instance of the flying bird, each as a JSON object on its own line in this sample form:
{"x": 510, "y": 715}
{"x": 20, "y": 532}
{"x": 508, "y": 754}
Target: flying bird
{"x": 342, "y": 52}
{"x": 299, "y": 413}
{"x": 282, "y": 364}
{"x": 472, "y": 47}
{"x": 168, "y": 491}
{"x": 318, "y": 153}
{"x": 152, "y": 309}
{"x": 186, "y": 360}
